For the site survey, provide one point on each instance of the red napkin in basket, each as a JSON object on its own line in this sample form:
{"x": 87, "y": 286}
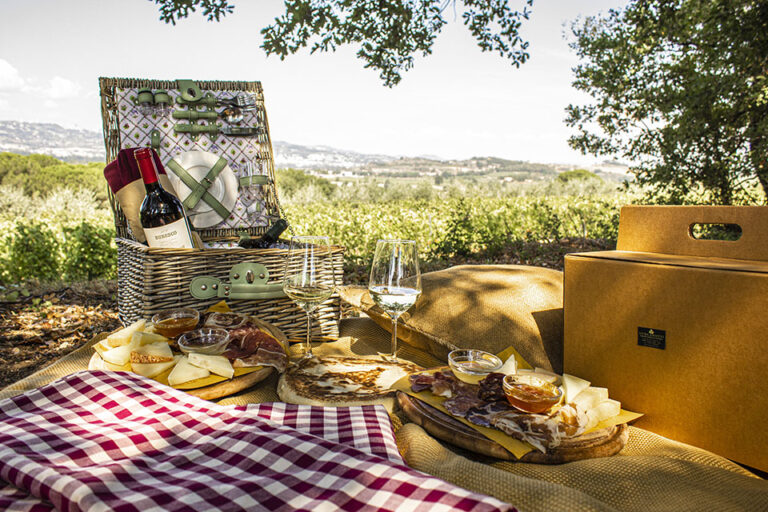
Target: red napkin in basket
{"x": 117, "y": 441}
{"x": 124, "y": 169}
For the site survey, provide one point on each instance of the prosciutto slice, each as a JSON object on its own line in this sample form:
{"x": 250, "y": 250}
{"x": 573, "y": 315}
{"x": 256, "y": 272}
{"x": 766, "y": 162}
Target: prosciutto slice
{"x": 251, "y": 346}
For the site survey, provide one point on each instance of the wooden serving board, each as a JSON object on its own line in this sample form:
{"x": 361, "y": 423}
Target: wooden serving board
{"x": 600, "y": 443}
{"x": 226, "y": 387}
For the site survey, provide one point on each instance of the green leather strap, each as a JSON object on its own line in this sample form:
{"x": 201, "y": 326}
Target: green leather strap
{"x": 200, "y": 190}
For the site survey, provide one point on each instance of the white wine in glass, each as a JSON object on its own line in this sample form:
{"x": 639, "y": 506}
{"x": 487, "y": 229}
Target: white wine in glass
{"x": 309, "y": 277}
{"x": 395, "y": 282}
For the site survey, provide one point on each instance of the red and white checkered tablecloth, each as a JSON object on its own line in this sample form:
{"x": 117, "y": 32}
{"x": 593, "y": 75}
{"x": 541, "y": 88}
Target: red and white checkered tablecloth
{"x": 98, "y": 441}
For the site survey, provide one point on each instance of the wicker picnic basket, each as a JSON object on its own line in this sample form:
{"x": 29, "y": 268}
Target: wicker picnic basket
{"x": 152, "y": 279}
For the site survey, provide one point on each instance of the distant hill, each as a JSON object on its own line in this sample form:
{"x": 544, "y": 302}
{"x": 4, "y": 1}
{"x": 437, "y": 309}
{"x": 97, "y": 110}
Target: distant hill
{"x": 74, "y": 145}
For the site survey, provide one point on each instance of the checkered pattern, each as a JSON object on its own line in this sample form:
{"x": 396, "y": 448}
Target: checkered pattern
{"x": 117, "y": 441}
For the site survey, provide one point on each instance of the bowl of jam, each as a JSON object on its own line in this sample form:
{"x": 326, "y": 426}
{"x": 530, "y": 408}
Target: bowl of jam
{"x": 471, "y": 365}
{"x": 172, "y": 322}
{"x": 531, "y": 394}
{"x": 208, "y": 340}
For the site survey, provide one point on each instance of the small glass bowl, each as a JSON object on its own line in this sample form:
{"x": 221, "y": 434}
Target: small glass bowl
{"x": 471, "y": 365}
{"x": 172, "y": 322}
{"x": 225, "y": 320}
{"x": 208, "y": 340}
{"x": 531, "y": 394}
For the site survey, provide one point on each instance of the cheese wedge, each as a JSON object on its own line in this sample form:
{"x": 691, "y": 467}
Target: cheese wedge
{"x": 510, "y": 366}
{"x": 118, "y": 356}
{"x": 590, "y": 398}
{"x": 572, "y": 386}
{"x": 145, "y": 338}
{"x": 185, "y": 372}
{"x": 151, "y": 353}
{"x": 151, "y": 370}
{"x": 123, "y": 336}
{"x": 603, "y": 411}
{"x": 219, "y": 365}
{"x": 540, "y": 373}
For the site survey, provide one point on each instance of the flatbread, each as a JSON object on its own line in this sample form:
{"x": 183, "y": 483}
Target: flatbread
{"x": 342, "y": 381}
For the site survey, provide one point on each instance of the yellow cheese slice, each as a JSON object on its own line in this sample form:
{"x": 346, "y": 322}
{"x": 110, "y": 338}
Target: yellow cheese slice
{"x": 184, "y": 372}
{"x": 572, "y": 386}
{"x": 219, "y": 365}
{"x": 151, "y": 353}
{"x": 152, "y": 370}
{"x": 145, "y": 338}
{"x": 123, "y": 336}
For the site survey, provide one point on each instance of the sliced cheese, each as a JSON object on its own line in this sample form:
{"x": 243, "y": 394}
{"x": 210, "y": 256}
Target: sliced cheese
{"x": 572, "y": 386}
{"x": 551, "y": 375}
{"x": 603, "y": 411}
{"x": 152, "y": 353}
{"x": 510, "y": 366}
{"x": 118, "y": 356}
{"x": 590, "y": 398}
{"x": 151, "y": 370}
{"x": 123, "y": 336}
{"x": 145, "y": 338}
{"x": 219, "y": 365}
{"x": 185, "y": 372}
{"x": 542, "y": 374}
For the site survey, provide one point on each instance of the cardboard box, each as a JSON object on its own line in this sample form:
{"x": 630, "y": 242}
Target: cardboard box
{"x": 676, "y": 327}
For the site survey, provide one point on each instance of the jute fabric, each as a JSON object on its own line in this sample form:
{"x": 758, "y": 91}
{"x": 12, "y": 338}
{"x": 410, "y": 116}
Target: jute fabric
{"x": 652, "y": 473}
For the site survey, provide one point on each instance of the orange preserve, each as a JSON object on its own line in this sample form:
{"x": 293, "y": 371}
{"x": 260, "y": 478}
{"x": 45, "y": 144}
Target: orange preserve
{"x": 172, "y": 322}
{"x": 531, "y": 394}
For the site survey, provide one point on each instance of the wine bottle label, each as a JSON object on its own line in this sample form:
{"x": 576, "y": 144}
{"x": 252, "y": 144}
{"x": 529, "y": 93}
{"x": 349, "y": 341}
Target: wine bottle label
{"x": 171, "y": 236}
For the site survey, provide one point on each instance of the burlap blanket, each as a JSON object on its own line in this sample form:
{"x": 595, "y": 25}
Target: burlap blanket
{"x": 651, "y": 473}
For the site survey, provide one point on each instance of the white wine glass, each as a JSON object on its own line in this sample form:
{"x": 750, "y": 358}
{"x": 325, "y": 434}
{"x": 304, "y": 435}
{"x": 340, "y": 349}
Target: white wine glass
{"x": 395, "y": 282}
{"x": 309, "y": 278}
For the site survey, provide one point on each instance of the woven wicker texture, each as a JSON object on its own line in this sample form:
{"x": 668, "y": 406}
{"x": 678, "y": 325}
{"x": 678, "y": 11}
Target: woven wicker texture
{"x": 151, "y": 280}
{"x": 651, "y": 473}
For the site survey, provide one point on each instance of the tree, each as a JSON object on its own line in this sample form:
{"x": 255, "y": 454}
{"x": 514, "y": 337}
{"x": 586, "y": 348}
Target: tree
{"x": 679, "y": 88}
{"x": 577, "y": 175}
{"x": 388, "y": 33}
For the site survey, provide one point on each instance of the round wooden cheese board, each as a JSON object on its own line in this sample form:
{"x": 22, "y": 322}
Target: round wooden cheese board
{"x": 600, "y": 443}
{"x": 225, "y": 387}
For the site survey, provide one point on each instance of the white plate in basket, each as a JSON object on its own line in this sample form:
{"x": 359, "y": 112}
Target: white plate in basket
{"x": 224, "y": 187}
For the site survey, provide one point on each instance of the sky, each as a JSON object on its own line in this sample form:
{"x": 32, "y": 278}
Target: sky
{"x": 456, "y": 103}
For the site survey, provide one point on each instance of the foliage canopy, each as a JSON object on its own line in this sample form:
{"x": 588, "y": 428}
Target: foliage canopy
{"x": 680, "y": 89}
{"x": 388, "y": 33}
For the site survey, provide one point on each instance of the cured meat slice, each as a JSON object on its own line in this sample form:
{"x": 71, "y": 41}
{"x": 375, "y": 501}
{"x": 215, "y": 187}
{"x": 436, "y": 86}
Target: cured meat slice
{"x": 421, "y": 382}
{"x": 460, "y": 404}
{"x": 250, "y": 346}
{"x": 492, "y": 389}
{"x": 482, "y": 414}
{"x": 268, "y": 353}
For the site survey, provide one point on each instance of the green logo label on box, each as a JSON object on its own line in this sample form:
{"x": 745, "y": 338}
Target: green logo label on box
{"x": 654, "y": 338}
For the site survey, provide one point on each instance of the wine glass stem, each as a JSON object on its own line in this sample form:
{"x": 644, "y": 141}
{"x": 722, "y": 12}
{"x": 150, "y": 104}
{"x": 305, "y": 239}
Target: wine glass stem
{"x": 308, "y": 351}
{"x": 393, "y": 355}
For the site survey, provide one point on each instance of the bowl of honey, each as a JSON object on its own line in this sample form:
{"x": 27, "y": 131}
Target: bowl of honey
{"x": 471, "y": 365}
{"x": 531, "y": 394}
{"x": 208, "y": 340}
{"x": 172, "y": 322}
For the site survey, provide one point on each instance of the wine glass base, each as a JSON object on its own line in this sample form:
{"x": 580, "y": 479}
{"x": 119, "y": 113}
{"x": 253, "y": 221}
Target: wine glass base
{"x": 389, "y": 357}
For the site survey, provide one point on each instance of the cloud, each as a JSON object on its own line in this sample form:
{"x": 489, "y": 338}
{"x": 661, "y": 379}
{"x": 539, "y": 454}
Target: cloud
{"x": 60, "y": 88}
{"x": 10, "y": 80}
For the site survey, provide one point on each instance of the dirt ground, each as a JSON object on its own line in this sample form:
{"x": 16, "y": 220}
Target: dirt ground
{"x": 49, "y": 321}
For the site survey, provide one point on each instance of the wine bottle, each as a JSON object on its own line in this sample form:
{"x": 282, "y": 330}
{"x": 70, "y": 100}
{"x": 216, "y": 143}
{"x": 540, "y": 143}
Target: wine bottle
{"x": 267, "y": 239}
{"x": 161, "y": 214}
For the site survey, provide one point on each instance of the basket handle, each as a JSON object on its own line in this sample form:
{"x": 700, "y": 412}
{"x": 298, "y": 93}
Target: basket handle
{"x": 669, "y": 230}
{"x": 247, "y": 280}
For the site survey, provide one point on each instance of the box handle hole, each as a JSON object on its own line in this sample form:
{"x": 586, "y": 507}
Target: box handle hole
{"x": 715, "y": 231}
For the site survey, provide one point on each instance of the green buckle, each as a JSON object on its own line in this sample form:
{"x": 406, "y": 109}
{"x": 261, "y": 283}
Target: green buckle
{"x": 200, "y": 189}
{"x": 247, "y": 280}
